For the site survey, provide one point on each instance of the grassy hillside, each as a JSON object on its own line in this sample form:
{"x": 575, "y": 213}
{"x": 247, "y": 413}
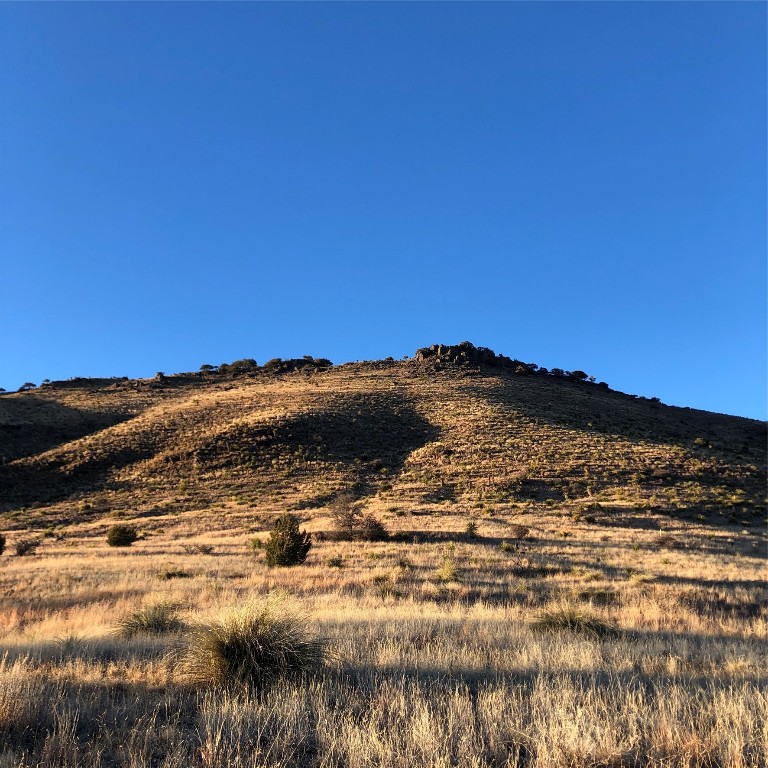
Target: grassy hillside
{"x": 445, "y": 436}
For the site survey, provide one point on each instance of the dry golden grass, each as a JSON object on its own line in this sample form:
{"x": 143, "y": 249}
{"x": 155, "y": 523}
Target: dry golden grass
{"x": 427, "y": 670}
{"x": 580, "y": 498}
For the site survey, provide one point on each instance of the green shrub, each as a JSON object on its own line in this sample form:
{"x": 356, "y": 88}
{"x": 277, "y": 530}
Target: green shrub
{"x": 251, "y": 646}
{"x": 471, "y": 529}
{"x": 566, "y": 618}
{"x": 287, "y": 545}
{"x": 2, "y": 543}
{"x": 121, "y": 536}
{"x": 157, "y": 619}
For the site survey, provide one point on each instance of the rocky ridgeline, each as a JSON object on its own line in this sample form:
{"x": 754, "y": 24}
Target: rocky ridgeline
{"x": 467, "y": 353}
{"x": 435, "y": 358}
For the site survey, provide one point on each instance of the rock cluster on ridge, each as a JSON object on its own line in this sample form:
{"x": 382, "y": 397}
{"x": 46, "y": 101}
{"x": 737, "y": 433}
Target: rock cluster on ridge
{"x": 467, "y": 353}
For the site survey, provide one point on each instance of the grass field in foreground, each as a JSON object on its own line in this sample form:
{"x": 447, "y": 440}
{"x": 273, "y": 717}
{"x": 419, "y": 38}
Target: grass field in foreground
{"x": 435, "y": 659}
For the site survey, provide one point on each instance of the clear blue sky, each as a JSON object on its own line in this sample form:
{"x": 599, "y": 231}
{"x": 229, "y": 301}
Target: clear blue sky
{"x": 580, "y": 185}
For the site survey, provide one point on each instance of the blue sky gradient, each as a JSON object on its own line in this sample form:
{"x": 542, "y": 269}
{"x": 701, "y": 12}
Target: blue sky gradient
{"x": 580, "y": 185}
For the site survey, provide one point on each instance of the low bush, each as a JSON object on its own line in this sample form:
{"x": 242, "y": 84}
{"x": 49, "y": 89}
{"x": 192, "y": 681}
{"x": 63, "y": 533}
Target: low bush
{"x": 197, "y": 549}
{"x": 518, "y": 532}
{"x": 25, "y": 546}
{"x": 175, "y": 573}
{"x": 251, "y": 646}
{"x": 121, "y": 535}
{"x": 352, "y": 524}
{"x": 370, "y": 528}
{"x": 2, "y": 543}
{"x": 447, "y": 571}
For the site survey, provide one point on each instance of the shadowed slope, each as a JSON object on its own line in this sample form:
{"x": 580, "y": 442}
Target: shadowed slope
{"x": 33, "y": 423}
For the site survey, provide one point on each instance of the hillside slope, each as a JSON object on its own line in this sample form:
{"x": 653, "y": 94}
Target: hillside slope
{"x": 438, "y": 431}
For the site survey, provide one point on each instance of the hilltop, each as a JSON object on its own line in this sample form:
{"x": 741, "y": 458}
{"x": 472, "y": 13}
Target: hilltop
{"x": 456, "y": 428}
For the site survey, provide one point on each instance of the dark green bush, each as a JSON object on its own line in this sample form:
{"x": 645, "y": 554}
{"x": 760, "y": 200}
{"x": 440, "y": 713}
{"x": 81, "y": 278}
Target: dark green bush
{"x": 121, "y": 536}
{"x": 2, "y": 543}
{"x": 287, "y": 545}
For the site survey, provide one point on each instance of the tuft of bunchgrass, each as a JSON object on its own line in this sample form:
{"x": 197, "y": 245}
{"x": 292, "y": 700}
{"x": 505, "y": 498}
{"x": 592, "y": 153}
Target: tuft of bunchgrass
{"x": 251, "y": 646}
{"x": 155, "y": 619}
{"x": 567, "y": 618}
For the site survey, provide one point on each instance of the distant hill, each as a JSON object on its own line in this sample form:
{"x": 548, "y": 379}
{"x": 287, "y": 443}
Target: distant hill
{"x": 455, "y": 427}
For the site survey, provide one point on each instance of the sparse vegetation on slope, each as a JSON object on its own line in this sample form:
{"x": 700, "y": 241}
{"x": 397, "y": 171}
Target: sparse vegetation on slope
{"x": 511, "y": 501}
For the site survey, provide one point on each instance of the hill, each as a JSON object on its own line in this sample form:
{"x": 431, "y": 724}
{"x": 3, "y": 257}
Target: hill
{"x": 569, "y": 577}
{"x": 456, "y": 428}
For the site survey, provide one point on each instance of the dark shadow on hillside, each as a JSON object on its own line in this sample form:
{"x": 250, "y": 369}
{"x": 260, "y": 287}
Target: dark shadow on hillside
{"x": 31, "y": 425}
{"x": 588, "y": 407}
{"x": 51, "y": 480}
{"x": 737, "y": 444}
{"x": 363, "y": 437}
{"x": 366, "y": 436}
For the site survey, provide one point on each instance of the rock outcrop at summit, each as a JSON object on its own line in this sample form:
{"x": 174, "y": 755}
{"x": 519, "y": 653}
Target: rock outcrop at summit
{"x": 467, "y": 353}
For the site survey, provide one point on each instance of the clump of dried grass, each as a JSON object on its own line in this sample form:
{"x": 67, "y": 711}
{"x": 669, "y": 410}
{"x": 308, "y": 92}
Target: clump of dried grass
{"x": 155, "y": 619}
{"x": 251, "y": 646}
{"x": 567, "y": 618}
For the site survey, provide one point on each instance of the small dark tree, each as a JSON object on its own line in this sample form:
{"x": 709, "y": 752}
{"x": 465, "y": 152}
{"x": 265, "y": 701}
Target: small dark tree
{"x": 287, "y": 545}
{"x": 27, "y": 385}
{"x": 121, "y": 536}
{"x": 2, "y": 543}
